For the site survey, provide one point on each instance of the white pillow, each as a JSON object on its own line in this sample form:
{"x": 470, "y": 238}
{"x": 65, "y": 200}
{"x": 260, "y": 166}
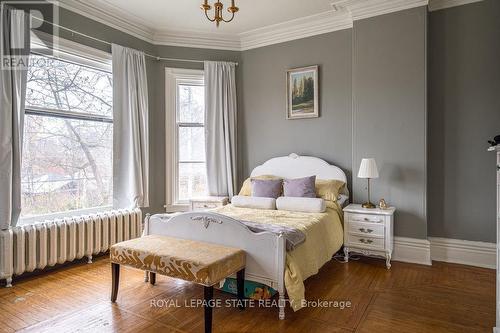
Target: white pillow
{"x": 298, "y": 204}
{"x": 253, "y": 202}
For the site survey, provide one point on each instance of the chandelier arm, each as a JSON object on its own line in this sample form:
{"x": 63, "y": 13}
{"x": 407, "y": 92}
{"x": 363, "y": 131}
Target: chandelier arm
{"x": 227, "y": 21}
{"x": 211, "y": 20}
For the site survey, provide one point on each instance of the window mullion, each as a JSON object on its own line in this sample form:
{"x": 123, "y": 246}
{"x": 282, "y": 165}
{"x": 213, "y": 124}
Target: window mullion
{"x": 38, "y": 111}
{"x": 182, "y": 124}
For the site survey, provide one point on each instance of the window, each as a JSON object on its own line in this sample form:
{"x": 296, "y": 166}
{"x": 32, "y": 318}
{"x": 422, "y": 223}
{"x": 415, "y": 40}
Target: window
{"x": 186, "y": 111}
{"x": 68, "y": 136}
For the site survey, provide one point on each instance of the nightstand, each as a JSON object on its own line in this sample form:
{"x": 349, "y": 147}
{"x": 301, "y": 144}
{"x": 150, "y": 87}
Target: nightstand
{"x": 369, "y": 231}
{"x": 205, "y": 203}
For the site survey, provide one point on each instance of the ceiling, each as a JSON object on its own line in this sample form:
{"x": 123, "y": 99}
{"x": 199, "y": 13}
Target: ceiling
{"x": 182, "y": 15}
{"x": 258, "y": 23}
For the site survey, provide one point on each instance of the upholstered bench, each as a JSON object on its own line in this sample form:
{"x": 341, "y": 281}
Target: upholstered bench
{"x": 198, "y": 262}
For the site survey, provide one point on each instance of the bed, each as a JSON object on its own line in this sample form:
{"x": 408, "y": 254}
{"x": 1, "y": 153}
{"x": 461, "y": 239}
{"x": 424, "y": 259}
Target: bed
{"x": 268, "y": 262}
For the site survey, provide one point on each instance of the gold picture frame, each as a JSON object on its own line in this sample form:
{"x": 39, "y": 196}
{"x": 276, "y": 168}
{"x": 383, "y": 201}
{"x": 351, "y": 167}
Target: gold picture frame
{"x": 302, "y": 92}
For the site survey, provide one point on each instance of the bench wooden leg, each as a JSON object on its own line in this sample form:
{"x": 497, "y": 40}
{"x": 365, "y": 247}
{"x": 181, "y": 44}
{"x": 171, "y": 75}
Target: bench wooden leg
{"x": 115, "y": 280}
{"x": 208, "y": 297}
{"x": 240, "y": 285}
{"x": 152, "y": 278}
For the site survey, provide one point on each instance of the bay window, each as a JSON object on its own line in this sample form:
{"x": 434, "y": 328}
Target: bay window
{"x": 68, "y": 135}
{"x": 186, "y": 177}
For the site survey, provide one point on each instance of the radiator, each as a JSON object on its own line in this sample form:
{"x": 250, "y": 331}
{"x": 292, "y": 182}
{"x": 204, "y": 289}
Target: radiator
{"x": 36, "y": 246}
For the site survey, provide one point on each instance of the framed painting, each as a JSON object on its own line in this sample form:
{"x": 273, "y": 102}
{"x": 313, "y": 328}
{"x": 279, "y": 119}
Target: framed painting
{"x": 302, "y": 93}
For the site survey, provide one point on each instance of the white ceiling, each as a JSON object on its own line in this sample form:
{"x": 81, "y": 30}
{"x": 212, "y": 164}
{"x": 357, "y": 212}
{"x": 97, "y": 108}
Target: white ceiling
{"x": 258, "y": 23}
{"x": 186, "y": 15}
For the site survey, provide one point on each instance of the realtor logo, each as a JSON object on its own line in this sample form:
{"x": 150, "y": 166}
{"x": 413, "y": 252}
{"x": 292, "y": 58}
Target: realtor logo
{"x": 26, "y": 27}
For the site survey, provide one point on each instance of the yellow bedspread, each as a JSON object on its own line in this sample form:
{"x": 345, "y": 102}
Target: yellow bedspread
{"x": 324, "y": 237}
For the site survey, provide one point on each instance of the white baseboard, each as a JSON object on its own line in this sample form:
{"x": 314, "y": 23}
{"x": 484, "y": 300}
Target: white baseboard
{"x": 412, "y": 250}
{"x": 423, "y": 251}
{"x": 480, "y": 254}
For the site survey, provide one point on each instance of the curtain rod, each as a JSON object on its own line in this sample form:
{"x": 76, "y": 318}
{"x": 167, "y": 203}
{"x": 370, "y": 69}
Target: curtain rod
{"x": 109, "y": 43}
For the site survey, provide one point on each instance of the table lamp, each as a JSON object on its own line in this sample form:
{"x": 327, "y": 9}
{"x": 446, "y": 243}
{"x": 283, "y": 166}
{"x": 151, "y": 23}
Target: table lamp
{"x": 368, "y": 170}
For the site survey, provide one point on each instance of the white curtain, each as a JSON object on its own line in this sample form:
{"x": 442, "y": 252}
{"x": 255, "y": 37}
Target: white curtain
{"x": 220, "y": 127}
{"x": 130, "y": 129}
{"x": 15, "y": 46}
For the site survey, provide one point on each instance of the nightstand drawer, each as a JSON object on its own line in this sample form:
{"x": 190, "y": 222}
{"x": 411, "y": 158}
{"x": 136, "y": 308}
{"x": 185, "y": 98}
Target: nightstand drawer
{"x": 365, "y": 218}
{"x": 365, "y": 242}
{"x": 196, "y": 206}
{"x": 366, "y": 228}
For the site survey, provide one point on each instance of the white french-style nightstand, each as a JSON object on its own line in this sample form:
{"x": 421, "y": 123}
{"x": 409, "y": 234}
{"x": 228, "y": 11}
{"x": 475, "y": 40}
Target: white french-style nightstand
{"x": 204, "y": 203}
{"x": 369, "y": 231}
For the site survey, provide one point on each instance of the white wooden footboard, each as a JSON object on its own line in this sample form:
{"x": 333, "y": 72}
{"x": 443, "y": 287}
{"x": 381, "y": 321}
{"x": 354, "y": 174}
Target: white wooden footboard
{"x": 265, "y": 261}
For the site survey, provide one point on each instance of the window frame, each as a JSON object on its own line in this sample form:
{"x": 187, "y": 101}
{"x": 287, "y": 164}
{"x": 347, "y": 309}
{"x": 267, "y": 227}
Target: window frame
{"x": 174, "y": 77}
{"x": 78, "y": 54}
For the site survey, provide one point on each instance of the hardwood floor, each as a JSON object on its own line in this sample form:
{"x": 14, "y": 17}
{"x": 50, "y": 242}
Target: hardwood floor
{"x": 407, "y": 298}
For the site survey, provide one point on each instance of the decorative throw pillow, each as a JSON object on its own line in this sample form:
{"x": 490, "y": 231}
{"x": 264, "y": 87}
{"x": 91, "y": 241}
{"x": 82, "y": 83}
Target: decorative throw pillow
{"x": 306, "y": 205}
{"x": 300, "y": 187}
{"x": 246, "y": 188}
{"x": 253, "y": 202}
{"x": 268, "y": 188}
{"x": 329, "y": 189}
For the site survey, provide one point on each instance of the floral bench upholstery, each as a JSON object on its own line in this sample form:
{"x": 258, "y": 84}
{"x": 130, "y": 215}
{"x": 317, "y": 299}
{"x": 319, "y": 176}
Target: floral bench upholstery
{"x": 198, "y": 262}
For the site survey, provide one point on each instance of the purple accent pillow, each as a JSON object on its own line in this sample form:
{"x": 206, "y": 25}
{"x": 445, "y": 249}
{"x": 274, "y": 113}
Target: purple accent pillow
{"x": 268, "y": 188}
{"x": 300, "y": 187}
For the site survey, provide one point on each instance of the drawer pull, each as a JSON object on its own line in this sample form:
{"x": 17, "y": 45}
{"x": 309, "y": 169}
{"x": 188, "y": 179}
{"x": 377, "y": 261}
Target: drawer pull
{"x": 366, "y": 241}
{"x": 367, "y": 231}
{"x": 366, "y": 219}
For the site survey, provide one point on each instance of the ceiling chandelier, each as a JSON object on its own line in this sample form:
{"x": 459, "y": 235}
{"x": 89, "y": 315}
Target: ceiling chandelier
{"x": 218, "y": 6}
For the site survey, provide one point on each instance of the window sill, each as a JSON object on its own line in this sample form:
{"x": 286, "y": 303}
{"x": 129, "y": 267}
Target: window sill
{"x": 174, "y": 208}
{"x": 42, "y": 218}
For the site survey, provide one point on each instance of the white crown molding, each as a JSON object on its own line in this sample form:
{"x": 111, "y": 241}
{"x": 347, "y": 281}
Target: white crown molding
{"x": 197, "y": 39}
{"x": 109, "y": 15}
{"x": 362, "y": 9}
{"x": 341, "y": 17}
{"x": 412, "y": 250}
{"x": 464, "y": 252}
{"x": 296, "y": 29}
{"x": 442, "y": 4}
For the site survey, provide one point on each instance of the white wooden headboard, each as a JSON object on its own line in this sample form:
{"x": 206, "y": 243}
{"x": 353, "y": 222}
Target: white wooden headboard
{"x": 295, "y": 166}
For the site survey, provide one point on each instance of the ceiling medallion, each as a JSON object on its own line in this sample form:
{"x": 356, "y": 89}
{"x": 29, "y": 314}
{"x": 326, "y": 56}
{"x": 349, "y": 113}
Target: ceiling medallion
{"x": 218, "y": 6}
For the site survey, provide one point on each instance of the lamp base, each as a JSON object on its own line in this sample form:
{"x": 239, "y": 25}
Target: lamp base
{"x": 368, "y": 205}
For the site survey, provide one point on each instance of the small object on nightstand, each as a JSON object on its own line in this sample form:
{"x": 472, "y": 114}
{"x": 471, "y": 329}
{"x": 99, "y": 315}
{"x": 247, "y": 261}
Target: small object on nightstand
{"x": 368, "y": 170}
{"x": 495, "y": 141}
{"x": 205, "y": 203}
{"x": 369, "y": 231}
{"x": 382, "y": 204}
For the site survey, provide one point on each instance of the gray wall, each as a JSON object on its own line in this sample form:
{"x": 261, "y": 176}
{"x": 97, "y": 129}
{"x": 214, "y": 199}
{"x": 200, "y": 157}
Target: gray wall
{"x": 373, "y": 103}
{"x": 156, "y": 84}
{"x": 157, "y": 130}
{"x": 264, "y": 131}
{"x": 389, "y": 113}
{"x": 372, "y": 80}
{"x": 464, "y": 112}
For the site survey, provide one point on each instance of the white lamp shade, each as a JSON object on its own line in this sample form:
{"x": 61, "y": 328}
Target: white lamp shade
{"x": 368, "y": 168}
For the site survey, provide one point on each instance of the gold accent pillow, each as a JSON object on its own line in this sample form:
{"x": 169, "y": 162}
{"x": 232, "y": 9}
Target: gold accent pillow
{"x": 246, "y": 188}
{"x": 328, "y": 189}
